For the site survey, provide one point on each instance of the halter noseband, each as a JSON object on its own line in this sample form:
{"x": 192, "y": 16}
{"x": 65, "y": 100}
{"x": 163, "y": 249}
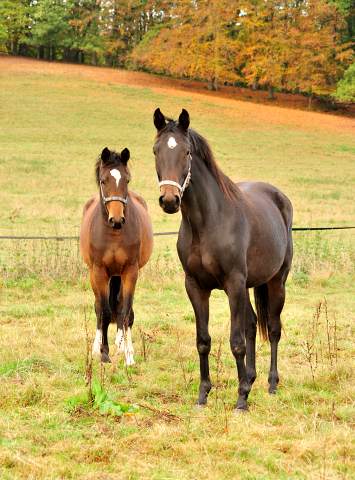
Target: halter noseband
{"x": 175, "y": 184}
{"x": 111, "y": 199}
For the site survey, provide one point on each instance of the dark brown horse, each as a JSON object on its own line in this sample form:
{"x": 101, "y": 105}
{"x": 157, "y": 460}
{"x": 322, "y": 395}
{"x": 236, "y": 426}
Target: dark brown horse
{"x": 232, "y": 237}
{"x": 116, "y": 240}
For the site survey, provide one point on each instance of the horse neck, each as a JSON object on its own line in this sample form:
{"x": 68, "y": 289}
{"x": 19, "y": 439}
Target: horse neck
{"x": 203, "y": 200}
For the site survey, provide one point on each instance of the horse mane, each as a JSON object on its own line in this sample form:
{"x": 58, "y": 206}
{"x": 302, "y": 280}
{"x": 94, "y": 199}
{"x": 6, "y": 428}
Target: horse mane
{"x": 113, "y": 161}
{"x": 201, "y": 147}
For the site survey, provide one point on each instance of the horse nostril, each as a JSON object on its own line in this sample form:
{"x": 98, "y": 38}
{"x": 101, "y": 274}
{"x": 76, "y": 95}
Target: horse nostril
{"x": 161, "y": 203}
{"x": 112, "y": 221}
{"x": 177, "y": 200}
{"x": 123, "y": 221}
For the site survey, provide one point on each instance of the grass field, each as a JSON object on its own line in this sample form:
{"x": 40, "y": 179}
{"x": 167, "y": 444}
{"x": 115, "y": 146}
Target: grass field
{"x": 52, "y": 126}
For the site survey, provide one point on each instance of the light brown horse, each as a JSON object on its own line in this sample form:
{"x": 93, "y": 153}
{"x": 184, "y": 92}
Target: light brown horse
{"x": 116, "y": 240}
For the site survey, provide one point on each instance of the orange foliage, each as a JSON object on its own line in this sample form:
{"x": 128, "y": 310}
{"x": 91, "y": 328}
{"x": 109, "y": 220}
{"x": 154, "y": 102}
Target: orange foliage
{"x": 288, "y": 44}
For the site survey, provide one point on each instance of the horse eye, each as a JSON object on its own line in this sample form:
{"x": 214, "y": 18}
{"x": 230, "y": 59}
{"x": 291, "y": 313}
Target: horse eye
{"x": 103, "y": 182}
{"x": 128, "y": 180}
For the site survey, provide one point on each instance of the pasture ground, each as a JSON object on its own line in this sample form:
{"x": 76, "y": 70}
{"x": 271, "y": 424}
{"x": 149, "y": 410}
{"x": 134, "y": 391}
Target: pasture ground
{"x": 54, "y": 120}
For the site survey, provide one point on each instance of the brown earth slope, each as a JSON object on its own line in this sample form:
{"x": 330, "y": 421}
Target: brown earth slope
{"x": 289, "y": 109}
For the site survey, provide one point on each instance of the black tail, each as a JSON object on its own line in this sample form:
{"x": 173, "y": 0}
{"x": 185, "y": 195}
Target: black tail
{"x": 262, "y": 304}
{"x": 115, "y": 285}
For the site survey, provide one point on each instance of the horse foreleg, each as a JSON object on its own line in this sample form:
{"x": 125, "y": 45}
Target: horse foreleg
{"x": 126, "y": 317}
{"x": 237, "y": 296}
{"x": 200, "y": 303}
{"x": 100, "y": 285}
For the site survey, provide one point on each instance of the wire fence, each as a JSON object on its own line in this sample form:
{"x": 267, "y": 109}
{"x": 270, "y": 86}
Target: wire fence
{"x": 295, "y": 229}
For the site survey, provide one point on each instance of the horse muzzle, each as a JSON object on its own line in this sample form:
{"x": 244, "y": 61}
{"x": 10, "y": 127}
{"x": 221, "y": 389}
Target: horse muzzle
{"x": 170, "y": 203}
{"x": 117, "y": 225}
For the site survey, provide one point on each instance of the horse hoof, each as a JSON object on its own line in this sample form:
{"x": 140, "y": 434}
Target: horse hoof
{"x": 273, "y": 390}
{"x": 105, "y": 358}
{"x": 199, "y": 407}
{"x": 240, "y": 410}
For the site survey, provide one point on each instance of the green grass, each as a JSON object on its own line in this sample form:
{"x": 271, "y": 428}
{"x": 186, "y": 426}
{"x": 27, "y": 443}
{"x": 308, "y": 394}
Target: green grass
{"x": 51, "y": 129}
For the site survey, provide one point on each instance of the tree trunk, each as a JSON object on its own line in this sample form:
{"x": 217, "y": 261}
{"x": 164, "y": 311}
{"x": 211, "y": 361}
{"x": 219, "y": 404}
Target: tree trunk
{"x": 54, "y": 53}
{"x": 82, "y": 57}
{"x": 270, "y": 90}
{"x": 48, "y": 52}
{"x": 332, "y": 79}
{"x": 25, "y": 50}
{"x": 310, "y": 100}
{"x": 14, "y": 48}
{"x": 211, "y": 85}
{"x": 75, "y": 56}
{"x": 65, "y": 54}
{"x": 215, "y": 84}
{"x": 135, "y": 43}
{"x": 108, "y": 60}
{"x": 94, "y": 59}
{"x": 254, "y": 87}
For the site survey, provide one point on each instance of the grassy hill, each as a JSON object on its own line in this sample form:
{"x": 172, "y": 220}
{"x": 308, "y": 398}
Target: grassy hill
{"x": 54, "y": 121}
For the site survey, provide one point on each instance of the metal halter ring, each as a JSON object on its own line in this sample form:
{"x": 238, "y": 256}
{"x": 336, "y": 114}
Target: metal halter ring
{"x": 111, "y": 199}
{"x": 175, "y": 184}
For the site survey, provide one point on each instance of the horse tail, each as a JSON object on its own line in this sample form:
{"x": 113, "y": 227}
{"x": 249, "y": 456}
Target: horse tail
{"x": 262, "y": 304}
{"x": 115, "y": 285}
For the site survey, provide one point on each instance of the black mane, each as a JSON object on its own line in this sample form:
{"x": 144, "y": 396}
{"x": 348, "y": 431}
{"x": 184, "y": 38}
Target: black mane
{"x": 201, "y": 147}
{"x": 113, "y": 161}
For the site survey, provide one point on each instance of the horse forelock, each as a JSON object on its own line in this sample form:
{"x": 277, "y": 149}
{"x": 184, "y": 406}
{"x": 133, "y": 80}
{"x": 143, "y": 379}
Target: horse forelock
{"x": 113, "y": 161}
{"x": 201, "y": 148}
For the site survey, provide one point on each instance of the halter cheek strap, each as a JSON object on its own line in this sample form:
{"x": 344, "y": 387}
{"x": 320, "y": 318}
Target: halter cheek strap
{"x": 175, "y": 184}
{"x": 111, "y": 199}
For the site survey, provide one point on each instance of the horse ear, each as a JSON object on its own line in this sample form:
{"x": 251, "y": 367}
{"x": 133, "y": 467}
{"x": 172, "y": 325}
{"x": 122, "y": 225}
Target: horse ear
{"x": 125, "y": 156}
{"x": 105, "y": 155}
{"x": 184, "y": 120}
{"x": 159, "y": 119}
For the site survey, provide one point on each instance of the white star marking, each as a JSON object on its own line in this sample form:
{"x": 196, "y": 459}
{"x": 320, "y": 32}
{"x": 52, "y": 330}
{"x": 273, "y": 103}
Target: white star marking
{"x": 172, "y": 142}
{"x": 116, "y": 174}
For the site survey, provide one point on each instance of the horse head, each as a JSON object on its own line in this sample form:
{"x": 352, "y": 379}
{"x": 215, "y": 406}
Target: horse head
{"x": 172, "y": 152}
{"x": 113, "y": 177}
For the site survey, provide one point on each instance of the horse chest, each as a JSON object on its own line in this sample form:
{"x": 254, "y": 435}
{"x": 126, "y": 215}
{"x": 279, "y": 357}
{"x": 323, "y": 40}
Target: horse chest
{"x": 203, "y": 266}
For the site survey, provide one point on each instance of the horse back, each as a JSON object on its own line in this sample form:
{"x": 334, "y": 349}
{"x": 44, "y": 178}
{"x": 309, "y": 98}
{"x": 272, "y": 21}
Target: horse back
{"x": 146, "y": 227}
{"x": 261, "y": 195}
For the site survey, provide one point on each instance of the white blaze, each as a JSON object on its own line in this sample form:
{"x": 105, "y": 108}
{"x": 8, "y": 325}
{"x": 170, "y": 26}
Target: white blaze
{"x": 116, "y": 174}
{"x": 172, "y": 142}
{"x": 96, "y": 349}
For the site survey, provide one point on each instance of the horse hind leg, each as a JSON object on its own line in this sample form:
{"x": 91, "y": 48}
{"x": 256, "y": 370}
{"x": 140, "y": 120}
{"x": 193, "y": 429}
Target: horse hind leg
{"x": 250, "y": 335}
{"x": 276, "y": 288}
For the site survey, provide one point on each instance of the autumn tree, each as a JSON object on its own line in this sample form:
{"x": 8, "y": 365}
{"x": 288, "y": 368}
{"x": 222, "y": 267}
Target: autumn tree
{"x": 195, "y": 41}
{"x": 295, "y": 46}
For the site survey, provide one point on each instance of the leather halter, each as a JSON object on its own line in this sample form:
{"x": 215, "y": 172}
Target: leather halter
{"x": 111, "y": 199}
{"x": 175, "y": 184}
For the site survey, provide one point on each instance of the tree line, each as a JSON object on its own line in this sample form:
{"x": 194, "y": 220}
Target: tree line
{"x": 294, "y": 46}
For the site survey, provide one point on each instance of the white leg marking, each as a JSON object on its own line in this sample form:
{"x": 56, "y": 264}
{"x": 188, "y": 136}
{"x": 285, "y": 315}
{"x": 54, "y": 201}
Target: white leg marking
{"x": 116, "y": 174}
{"x": 129, "y": 351}
{"x": 96, "y": 349}
{"x": 172, "y": 142}
{"x": 120, "y": 341}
